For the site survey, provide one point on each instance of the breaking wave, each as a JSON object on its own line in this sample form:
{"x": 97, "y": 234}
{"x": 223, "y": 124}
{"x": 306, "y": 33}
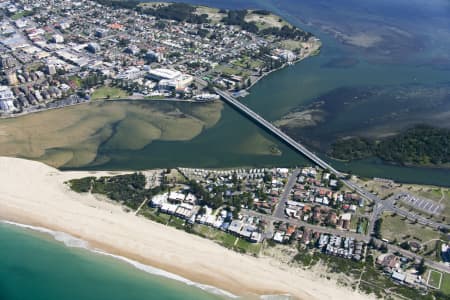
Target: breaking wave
{"x": 73, "y": 242}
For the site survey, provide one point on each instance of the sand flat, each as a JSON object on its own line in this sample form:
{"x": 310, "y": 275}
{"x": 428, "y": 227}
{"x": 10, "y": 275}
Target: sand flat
{"x": 35, "y": 194}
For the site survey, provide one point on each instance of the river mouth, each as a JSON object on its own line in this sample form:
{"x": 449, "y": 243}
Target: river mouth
{"x": 411, "y": 55}
{"x": 74, "y": 136}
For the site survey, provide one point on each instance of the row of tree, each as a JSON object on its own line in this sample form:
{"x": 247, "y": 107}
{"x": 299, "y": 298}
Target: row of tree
{"x": 287, "y": 32}
{"x": 420, "y": 145}
{"x": 180, "y": 12}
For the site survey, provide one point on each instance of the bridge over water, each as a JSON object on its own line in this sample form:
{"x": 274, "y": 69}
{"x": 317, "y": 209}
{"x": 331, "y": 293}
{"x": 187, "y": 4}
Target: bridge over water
{"x": 276, "y": 131}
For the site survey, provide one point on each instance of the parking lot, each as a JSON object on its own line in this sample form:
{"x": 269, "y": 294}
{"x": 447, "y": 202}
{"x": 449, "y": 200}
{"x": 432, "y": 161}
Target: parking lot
{"x": 423, "y": 204}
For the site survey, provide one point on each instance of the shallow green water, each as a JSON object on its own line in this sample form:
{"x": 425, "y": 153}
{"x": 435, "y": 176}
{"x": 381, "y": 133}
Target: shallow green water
{"x": 33, "y": 266}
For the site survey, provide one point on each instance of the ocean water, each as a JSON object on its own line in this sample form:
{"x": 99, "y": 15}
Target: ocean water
{"x": 46, "y": 265}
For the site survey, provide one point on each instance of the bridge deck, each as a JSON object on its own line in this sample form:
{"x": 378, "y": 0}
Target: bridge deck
{"x": 277, "y": 132}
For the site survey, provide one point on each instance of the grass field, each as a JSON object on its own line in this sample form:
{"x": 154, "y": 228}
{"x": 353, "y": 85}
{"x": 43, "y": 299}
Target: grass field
{"x": 265, "y": 21}
{"x": 107, "y": 92}
{"x": 395, "y": 227}
{"x": 445, "y": 285}
{"x": 232, "y": 71}
{"x": 247, "y": 61}
{"x": 291, "y": 44}
{"x": 21, "y": 14}
{"x": 175, "y": 176}
{"x": 434, "y": 278}
{"x": 176, "y": 222}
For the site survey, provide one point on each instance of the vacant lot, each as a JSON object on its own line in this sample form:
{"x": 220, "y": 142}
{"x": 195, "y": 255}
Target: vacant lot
{"x": 397, "y": 228}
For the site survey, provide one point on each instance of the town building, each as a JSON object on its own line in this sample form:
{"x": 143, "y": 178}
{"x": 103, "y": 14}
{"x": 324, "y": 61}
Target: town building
{"x": 6, "y": 99}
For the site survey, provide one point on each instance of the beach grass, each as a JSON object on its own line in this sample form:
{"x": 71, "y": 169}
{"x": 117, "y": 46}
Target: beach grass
{"x": 152, "y": 214}
{"x": 176, "y": 222}
{"x": 225, "y": 239}
{"x": 248, "y": 248}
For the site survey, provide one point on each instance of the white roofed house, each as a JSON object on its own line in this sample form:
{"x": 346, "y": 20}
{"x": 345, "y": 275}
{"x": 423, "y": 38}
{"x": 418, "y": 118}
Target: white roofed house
{"x": 191, "y": 199}
{"x": 184, "y": 211}
{"x": 158, "y": 200}
{"x": 175, "y": 197}
{"x": 278, "y": 237}
{"x": 6, "y": 99}
{"x": 235, "y": 227}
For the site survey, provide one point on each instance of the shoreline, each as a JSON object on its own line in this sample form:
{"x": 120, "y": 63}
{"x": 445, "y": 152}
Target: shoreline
{"x": 265, "y": 75}
{"x": 48, "y": 203}
{"x": 169, "y": 100}
{"x": 73, "y": 242}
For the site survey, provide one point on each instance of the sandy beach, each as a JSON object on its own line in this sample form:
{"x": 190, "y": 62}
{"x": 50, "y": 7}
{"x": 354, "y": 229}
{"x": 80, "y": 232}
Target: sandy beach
{"x": 35, "y": 194}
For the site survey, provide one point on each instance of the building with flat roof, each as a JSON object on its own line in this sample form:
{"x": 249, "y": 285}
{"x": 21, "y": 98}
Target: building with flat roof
{"x": 6, "y": 99}
{"x": 179, "y": 83}
{"x": 57, "y": 38}
{"x": 160, "y": 74}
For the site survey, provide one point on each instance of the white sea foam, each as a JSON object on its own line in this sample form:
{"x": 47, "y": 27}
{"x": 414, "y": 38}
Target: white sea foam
{"x": 275, "y": 297}
{"x": 71, "y": 241}
{"x": 162, "y": 273}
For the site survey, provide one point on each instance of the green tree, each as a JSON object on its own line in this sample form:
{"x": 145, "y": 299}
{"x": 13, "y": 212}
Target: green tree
{"x": 377, "y": 228}
{"x": 421, "y": 268}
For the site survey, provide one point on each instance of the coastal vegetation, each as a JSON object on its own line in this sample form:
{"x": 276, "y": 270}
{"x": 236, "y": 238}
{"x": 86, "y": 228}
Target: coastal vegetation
{"x": 82, "y": 185}
{"x": 420, "y": 145}
{"x": 365, "y": 275}
{"x": 128, "y": 189}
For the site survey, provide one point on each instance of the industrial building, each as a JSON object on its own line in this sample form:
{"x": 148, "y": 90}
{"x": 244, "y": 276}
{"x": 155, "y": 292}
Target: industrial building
{"x": 170, "y": 79}
{"x": 160, "y": 74}
{"x": 179, "y": 83}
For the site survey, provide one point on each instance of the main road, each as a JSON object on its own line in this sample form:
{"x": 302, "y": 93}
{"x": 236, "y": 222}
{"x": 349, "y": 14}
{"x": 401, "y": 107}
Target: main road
{"x": 277, "y": 132}
{"x": 379, "y": 206}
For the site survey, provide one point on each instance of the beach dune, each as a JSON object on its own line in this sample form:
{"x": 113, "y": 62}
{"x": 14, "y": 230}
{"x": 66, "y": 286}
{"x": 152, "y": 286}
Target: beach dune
{"x": 35, "y": 194}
